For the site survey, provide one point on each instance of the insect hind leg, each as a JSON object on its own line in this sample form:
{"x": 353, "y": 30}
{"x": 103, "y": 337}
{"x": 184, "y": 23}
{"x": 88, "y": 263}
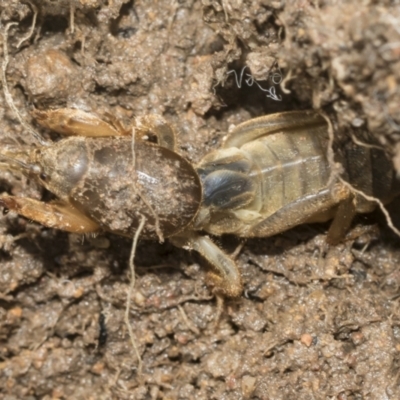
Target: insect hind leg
{"x": 225, "y": 276}
{"x": 345, "y": 214}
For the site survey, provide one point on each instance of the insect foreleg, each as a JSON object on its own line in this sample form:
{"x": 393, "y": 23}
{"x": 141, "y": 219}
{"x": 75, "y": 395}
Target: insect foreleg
{"x": 57, "y": 215}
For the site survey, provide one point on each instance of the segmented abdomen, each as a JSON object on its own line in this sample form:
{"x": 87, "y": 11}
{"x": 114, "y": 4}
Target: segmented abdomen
{"x": 292, "y": 165}
{"x": 275, "y": 176}
{"x": 370, "y": 171}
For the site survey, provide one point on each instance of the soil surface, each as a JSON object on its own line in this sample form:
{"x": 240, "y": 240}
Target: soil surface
{"x": 315, "y": 321}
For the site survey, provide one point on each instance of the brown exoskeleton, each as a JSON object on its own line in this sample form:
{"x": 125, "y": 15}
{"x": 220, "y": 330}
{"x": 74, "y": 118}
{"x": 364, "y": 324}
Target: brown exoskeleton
{"x": 271, "y": 175}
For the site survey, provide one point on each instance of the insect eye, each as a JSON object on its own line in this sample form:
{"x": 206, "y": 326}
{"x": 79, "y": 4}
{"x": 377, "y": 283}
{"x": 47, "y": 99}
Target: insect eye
{"x": 43, "y": 176}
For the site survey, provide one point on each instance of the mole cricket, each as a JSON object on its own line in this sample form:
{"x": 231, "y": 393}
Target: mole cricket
{"x": 271, "y": 174}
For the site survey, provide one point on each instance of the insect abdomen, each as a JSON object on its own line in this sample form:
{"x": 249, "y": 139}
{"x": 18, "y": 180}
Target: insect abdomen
{"x": 292, "y": 165}
{"x": 370, "y": 171}
{"x": 244, "y": 187}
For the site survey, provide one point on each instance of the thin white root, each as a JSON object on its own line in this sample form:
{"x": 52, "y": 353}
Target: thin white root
{"x": 6, "y": 241}
{"x": 225, "y": 6}
{"x": 284, "y": 81}
{"x": 148, "y": 205}
{"x": 220, "y": 308}
{"x": 375, "y": 200}
{"x": 367, "y": 145}
{"x": 7, "y": 94}
{"x": 30, "y": 33}
{"x": 131, "y": 287}
{"x": 186, "y": 320}
{"x": 72, "y": 18}
{"x": 238, "y": 250}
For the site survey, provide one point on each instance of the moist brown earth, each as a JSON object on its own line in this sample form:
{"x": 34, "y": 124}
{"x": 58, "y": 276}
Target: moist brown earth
{"x": 315, "y": 321}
